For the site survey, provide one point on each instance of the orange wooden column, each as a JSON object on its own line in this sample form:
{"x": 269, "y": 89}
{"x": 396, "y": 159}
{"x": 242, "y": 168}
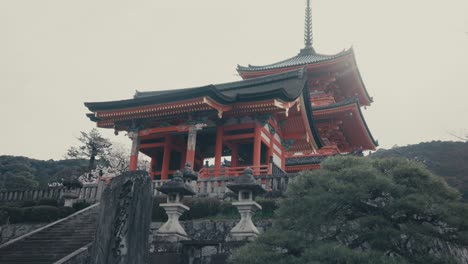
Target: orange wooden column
{"x": 153, "y": 167}
{"x": 234, "y": 155}
{"x": 218, "y": 150}
{"x": 257, "y": 147}
{"x": 134, "y": 136}
{"x": 166, "y": 158}
{"x": 270, "y": 156}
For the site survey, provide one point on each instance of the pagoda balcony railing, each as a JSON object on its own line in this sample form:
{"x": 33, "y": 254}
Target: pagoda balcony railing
{"x": 206, "y": 173}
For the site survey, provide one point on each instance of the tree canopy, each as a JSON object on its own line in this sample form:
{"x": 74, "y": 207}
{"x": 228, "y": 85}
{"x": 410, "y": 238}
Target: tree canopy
{"x": 357, "y": 210}
{"x": 21, "y": 173}
{"x": 446, "y": 159}
{"x": 92, "y": 146}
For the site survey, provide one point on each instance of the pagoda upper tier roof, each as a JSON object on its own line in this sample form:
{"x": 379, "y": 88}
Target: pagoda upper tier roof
{"x": 305, "y": 57}
{"x": 350, "y": 106}
{"x": 286, "y": 86}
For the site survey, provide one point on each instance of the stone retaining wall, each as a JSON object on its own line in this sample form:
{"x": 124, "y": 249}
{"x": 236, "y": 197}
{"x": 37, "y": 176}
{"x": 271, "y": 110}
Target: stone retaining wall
{"x": 12, "y": 231}
{"x": 213, "y": 230}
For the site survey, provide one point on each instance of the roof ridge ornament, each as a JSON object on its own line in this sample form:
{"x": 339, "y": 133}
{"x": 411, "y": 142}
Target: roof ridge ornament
{"x": 308, "y": 36}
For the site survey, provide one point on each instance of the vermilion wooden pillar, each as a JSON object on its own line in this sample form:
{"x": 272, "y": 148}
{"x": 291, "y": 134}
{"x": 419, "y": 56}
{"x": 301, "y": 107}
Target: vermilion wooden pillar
{"x": 166, "y": 158}
{"x": 257, "y": 147}
{"x": 234, "y": 155}
{"x": 134, "y": 151}
{"x": 270, "y": 156}
{"x": 153, "y": 167}
{"x": 183, "y": 159}
{"x": 218, "y": 150}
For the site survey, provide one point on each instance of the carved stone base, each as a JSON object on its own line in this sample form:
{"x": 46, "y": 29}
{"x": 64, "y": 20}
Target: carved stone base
{"x": 245, "y": 230}
{"x": 172, "y": 231}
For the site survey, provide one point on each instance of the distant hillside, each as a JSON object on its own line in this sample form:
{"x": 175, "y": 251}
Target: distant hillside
{"x": 24, "y": 173}
{"x": 446, "y": 159}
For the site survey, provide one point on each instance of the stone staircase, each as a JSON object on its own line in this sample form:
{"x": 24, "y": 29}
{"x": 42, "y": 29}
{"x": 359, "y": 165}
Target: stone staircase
{"x": 52, "y": 242}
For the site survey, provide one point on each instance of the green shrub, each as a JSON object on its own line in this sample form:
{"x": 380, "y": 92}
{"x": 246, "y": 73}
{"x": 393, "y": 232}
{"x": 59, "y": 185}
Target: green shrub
{"x": 3, "y": 217}
{"x": 24, "y": 203}
{"x": 268, "y": 208}
{"x": 80, "y": 205}
{"x": 50, "y": 202}
{"x": 201, "y": 208}
{"x": 158, "y": 214}
{"x": 228, "y": 210}
{"x": 13, "y": 214}
{"x": 66, "y": 211}
{"x": 41, "y": 213}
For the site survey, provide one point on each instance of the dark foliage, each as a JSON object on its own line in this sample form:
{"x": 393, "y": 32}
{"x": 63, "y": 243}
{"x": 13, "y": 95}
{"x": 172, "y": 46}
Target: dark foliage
{"x": 72, "y": 184}
{"x": 93, "y": 147}
{"x": 446, "y": 159}
{"x": 33, "y": 214}
{"x": 202, "y": 208}
{"x": 357, "y": 210}
{"x": 20, "y": 173}
{"x": 80, "y": 206}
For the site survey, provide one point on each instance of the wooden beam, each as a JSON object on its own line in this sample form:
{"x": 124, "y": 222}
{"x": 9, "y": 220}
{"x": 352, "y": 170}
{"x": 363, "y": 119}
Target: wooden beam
{"x": 217, "y": 106}
{"x": 239, "y": 126}
{"x": 152, "y": 145}
{"x": 238, "y": 137}
{"x": 157, "y": 130}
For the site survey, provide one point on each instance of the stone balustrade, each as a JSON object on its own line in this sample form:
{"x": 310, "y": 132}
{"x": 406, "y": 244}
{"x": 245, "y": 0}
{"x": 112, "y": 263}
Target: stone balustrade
{"x": 216, "y": 187}
{"x": 211, "y": 187}
{"x": 88, "y": 193}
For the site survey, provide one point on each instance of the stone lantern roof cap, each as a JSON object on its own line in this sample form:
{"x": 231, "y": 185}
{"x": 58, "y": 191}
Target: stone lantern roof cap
{"x": 246, "y": 182}
{"x": 176, "y": 185}
{"x": 188, "y": 173}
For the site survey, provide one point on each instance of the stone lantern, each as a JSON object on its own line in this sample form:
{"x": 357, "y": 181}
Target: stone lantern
{"x": 246, "y": 188}
{"x": 188, "y": 173}
{"x": 175, "y": 190}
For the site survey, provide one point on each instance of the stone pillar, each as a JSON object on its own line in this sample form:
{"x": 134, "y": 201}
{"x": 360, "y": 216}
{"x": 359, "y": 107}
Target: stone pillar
{"x": 135, "y": 137}
{"x": 191, "y": 144}
{"x": 246, "y": 188}
{"x": 123, "y": 223}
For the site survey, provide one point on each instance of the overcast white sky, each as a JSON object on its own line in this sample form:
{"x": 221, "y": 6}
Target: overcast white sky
{"x": 57, "y": 54}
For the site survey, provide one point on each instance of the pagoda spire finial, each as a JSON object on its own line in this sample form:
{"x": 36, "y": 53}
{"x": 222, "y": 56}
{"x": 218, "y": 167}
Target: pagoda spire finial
{"x": 308, "y": 26}
{"x": 308, "y": 38}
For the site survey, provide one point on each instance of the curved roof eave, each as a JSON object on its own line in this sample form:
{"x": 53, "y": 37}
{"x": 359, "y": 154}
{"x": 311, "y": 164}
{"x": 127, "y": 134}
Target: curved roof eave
{"x": 358, "y": 72}
{"x": 308, "y": 107}
{"x": 348, "y": 102}
{"x": 298, "y": 60}
{"x": 222, "y": 93}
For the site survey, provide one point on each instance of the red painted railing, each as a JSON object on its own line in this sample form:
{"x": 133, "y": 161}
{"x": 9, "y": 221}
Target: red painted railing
{"x": 206, "y": 173}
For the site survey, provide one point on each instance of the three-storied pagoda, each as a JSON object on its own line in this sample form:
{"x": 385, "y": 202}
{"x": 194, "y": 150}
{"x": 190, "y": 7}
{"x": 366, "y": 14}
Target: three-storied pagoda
{"x": 282, "y": 117}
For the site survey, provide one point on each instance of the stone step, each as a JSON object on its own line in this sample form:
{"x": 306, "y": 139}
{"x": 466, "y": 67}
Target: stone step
{"x": 53, "y": 243}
